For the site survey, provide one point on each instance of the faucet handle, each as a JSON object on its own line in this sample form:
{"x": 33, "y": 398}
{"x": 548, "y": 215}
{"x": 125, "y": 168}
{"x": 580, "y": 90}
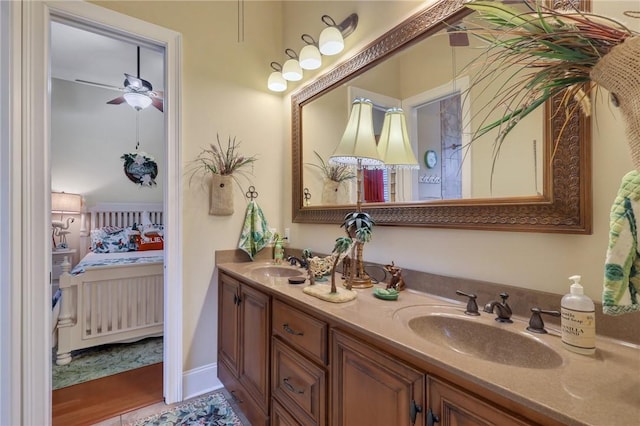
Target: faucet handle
{"x": 504, "y": 296}
{"x": 472, "y": 306}
{"x": 536, "y": 324}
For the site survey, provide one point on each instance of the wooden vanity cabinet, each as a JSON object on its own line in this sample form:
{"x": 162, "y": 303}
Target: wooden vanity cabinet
{"x": 243, "y": 346}
{"x": 452, "y": 406}
{"x": 299, "y": 372}
{"x": 369, "y": 387}
{"x": 288, "y": 365}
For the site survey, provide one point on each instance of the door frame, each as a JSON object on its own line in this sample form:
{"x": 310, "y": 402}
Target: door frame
{"x": 30, "y": 187}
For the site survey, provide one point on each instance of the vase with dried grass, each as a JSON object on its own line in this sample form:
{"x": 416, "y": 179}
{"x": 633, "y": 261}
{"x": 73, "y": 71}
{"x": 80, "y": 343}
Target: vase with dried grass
{"x": 222, "y": 165}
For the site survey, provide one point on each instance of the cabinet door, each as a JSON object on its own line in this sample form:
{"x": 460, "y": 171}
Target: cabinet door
{"x": 453, "y": 406}
{"x": 228, "y": 343}
{"x": 255, "y": 327}
{"x": 371, "y": 388}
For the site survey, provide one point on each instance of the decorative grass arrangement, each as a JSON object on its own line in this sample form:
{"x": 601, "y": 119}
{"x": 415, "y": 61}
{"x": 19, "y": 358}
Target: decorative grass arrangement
{"x": 559, "y": 47}
{"x": 334, "y": 172}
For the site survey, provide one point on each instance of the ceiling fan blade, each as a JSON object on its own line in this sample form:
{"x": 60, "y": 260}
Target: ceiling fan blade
{"x": 158, "y": 103}
{"x": 101, "y": 85}
{"x": 117, "y": 101}
{"x": 458, "y": 36}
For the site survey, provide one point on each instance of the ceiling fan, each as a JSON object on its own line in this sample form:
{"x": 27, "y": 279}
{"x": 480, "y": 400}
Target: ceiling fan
{"x": 138, "y": 93}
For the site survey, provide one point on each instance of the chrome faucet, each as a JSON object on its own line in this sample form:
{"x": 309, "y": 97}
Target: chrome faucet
{"x": 503, "y": 313}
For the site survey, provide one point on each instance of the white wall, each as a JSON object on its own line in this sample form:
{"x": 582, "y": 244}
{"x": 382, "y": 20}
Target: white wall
{"x": 88, "y": 137}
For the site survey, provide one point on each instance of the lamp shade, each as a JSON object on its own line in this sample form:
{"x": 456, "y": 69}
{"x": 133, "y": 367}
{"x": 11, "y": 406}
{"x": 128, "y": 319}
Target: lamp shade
{"x": 61, "y": 202}
{"x": 291, "y": 70}
{"x": 331, "y": 41}
{"x": 276, "y": 82}
{"x": 310, "y": 58}
{"x": 358, "y": 141}
{"x": 137, "y": 100}
{"x": 394, "y": 145}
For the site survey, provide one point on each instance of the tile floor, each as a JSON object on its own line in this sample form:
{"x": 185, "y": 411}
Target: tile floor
{"x": 131, "y": 416}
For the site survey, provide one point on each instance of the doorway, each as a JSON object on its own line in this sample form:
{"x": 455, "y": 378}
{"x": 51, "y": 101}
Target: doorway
{"x": 32, "y": 391}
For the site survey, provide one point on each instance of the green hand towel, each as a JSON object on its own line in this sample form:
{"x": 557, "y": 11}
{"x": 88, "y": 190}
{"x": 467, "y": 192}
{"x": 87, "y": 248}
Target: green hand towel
{"x": 622, "y": 267}
{"x": 255, "y": 233}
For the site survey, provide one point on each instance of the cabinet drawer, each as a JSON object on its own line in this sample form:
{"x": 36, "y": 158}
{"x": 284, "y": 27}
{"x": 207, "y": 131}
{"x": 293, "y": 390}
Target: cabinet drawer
{"x": 302, "y": 331}
{"x": 299, "y": 385}
{"x": 243, "y": 400}
{"x": 280, "y": 416}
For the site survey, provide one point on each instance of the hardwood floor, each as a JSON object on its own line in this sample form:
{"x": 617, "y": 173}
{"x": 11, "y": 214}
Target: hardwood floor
{"x": 91, "y": 402}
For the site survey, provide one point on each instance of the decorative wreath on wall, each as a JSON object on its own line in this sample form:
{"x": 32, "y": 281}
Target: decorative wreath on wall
{"x": 140, "y": 168}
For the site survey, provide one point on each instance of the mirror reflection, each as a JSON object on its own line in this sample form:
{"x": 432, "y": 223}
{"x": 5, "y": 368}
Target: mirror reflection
{"x": 430, "y": 81}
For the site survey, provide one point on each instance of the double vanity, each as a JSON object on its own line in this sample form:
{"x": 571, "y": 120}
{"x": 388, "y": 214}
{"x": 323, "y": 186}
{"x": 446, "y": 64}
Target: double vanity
{"x": 289, "y": 358}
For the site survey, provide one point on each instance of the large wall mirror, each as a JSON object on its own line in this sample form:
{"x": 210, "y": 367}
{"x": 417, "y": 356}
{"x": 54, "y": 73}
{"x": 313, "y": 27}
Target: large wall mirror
{"x": 539, "y": 182}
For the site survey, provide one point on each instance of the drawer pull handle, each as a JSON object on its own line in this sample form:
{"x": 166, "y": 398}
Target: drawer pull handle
{"x": 291, "y": 330}
{"x": 288, "y": 385}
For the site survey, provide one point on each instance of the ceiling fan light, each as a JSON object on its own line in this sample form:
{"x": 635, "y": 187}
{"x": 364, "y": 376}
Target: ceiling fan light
{"x": 276, "y": 82}
{"x": 310, "y": 58}
{"x": 291, "y": 70}
{"x": 137, "y": 101}
{"x": 331, "y": 41}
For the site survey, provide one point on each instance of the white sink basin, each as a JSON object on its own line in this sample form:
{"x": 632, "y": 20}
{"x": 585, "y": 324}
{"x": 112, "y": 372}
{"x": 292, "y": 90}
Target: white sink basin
{"x": 277, "y": 271}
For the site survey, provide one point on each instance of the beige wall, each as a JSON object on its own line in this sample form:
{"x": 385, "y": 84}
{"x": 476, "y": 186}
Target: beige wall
{"x": 224, "y": 91}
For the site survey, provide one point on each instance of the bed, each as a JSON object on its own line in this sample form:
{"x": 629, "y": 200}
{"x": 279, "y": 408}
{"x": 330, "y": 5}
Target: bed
{"x": 113, "y": 297}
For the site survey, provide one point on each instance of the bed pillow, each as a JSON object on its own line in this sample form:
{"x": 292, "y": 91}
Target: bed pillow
{"x": 102, "y": 241}
{"x": 148, "y": 241}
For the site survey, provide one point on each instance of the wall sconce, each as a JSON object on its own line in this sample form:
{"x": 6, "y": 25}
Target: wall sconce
{"x": 394, "y": 146}
{"x": 276, "y": 82}
{"x": 63, "y": 203}
{"x": 291, "y": 70}
{"x": 331, "y": 42}
{"x": 310, "y": 57}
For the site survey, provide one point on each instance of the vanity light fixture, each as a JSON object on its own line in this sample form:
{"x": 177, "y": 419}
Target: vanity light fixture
{"x": 291, "y": 70}
{"x": 276, "y": 82}
{"x": 394, "y": 146}
{"x": 310, "y": 57}
{"x": 332, "y": 38}
{"x": 358, "y": 146}
{"x": 331, "y": 42}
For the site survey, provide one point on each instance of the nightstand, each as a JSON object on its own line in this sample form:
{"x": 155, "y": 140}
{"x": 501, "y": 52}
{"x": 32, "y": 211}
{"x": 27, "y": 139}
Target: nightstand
{"x": 57, "y": 257}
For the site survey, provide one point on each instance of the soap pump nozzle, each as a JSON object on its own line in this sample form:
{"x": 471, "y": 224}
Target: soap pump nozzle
{"x": 576, "y": 287}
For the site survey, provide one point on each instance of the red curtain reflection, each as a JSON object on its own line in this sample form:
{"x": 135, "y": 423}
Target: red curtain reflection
{"x": 373, "y": 182}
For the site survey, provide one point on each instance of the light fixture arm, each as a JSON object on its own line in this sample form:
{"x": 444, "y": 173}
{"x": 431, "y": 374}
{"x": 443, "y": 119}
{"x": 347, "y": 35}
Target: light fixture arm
{"x": 346, "y": 27}
{"x": 309, "y": 40}
{"x": 291, "y": 53}
{"x": 276, "y": 66}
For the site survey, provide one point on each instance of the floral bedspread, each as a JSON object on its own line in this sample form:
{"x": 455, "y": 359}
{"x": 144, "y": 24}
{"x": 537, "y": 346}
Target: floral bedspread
{"x": 92, "y": 263}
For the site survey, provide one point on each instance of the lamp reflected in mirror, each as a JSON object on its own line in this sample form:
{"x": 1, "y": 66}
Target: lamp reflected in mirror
{"x": 394, "y": 147}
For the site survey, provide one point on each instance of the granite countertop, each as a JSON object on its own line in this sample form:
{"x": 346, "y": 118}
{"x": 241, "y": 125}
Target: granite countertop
{"x": 602, "y": 389}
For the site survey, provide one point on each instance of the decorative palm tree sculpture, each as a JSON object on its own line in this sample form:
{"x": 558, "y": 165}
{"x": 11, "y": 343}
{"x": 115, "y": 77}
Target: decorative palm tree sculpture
{"x": 342, "y": 245}
{"x": 358, "y": 226}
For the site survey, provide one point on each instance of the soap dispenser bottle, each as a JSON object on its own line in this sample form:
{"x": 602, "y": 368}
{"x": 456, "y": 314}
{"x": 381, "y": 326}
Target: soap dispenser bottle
{"x": 278, "y": 249}
{"x": 578, "y": 320}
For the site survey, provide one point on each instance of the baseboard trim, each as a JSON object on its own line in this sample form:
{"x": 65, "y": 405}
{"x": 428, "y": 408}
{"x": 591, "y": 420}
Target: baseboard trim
{"x": 200, "y": 380}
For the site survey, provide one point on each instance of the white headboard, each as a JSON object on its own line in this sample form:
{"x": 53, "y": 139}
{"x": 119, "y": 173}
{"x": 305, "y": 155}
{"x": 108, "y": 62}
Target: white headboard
{"x": 116, "y": 214}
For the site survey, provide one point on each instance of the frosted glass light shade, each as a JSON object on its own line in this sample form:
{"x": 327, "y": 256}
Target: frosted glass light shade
{"x": 310, "y": 58}
{"x": 291, "y": 70}
{"x": 331, "y": 41}
{"x": 394, "y": 145}
{"x": 137, "y": 101}
{"x": 358, "y": 141}
{"x": 276, "y": 83}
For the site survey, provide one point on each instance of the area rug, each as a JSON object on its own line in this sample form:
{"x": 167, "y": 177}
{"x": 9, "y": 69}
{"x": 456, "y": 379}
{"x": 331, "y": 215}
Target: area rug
{"x": 210, "y": 410}
{"x": 102, "y": 361}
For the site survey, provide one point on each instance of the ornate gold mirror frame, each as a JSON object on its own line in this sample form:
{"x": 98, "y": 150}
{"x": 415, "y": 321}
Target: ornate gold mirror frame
{"x": 564, "y": 207}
